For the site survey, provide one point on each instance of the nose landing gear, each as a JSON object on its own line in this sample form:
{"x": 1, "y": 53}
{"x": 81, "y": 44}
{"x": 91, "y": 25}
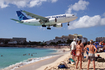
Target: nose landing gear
{"x": 68, "y": 24}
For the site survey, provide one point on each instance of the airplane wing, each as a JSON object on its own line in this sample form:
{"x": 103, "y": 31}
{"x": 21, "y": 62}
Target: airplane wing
{"x": 17, "y": 20}
{"x": 42, "y": 19}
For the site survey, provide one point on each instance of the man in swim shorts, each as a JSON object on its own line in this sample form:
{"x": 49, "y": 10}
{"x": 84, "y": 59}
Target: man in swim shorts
{"x": 73, "y": 49}
{"x": 91, "y": 55}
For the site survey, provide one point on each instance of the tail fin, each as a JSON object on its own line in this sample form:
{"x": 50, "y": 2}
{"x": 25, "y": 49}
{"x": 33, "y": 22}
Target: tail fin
{"x": 21, "y": 15}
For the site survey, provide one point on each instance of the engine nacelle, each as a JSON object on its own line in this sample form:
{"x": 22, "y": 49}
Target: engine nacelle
{"x": 58, "y": 25}
{"x": 53, "y": 20}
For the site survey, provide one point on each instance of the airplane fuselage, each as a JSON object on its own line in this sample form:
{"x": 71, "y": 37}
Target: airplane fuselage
{"x": 63, "y": 18}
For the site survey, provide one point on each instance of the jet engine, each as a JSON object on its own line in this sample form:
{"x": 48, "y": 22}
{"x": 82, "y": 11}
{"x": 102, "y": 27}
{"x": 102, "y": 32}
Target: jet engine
{"x": 58, "y": 25}
{"x": 53, "y": 20}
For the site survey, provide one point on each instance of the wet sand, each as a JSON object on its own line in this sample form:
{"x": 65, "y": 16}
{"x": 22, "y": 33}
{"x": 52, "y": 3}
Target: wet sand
{"x": 34, "y": 66}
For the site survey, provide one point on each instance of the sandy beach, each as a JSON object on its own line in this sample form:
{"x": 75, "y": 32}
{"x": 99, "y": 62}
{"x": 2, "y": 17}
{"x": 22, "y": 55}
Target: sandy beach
{"x": 53, "y": 62}
{"x": 54, "y": 65}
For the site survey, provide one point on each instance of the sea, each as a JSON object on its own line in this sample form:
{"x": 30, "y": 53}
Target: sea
{"x": 10, "y": 56}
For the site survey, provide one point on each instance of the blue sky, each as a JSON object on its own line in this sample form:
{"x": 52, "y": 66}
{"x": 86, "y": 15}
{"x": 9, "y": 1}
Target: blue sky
{"x": 90, "y": 22}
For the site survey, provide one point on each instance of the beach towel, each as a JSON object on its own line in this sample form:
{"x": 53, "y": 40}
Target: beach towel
{"x": 62, "y": 66}
{"x": 71, "y": 60}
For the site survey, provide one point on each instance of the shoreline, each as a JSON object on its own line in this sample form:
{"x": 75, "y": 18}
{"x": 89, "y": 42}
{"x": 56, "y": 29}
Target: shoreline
{"x": 27, "y": 62}
{"x": 39, "y": 64}
{"x": 36, "y": 65}
{"x": 32, "y": 60}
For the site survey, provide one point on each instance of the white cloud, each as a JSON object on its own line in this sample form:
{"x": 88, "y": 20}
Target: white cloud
{"x": 3, "y": 4}
{"x": 103, "y": 15}
{"x": 54, "y": 1}
{"x": 81, "y": 5}
{"x": 87, "y": 21}
{"x": 23, "y": 3}
{"x": 36, "y": 2}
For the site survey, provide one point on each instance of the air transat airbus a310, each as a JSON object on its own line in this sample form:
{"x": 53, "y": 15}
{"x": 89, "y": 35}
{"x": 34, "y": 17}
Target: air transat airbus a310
{"x": 48, "y": 21}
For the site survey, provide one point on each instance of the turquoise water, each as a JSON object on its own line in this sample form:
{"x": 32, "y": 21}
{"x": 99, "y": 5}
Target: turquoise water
{"x": 12, "y": 55}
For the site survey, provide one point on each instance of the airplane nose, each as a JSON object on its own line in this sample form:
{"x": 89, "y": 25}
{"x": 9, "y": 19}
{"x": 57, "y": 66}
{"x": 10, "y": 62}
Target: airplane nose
{"x": 76, "y": 17}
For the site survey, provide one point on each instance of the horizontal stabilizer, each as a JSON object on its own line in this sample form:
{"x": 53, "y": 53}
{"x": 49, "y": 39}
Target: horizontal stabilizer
{"x": 17, "y": 20}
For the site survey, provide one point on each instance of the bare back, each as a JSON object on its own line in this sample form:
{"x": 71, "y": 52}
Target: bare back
{"x": 91, "y": 48}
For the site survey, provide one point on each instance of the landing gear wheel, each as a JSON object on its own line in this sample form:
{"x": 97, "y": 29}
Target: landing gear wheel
{"x": 49, "y": 28}
{"x": 43, "y": 25}
{"x": 68, "y": 24}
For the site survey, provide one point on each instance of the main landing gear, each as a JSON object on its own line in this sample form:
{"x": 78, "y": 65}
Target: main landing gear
{"x": 43, "y": 25}
{"x": 48, "y": 28}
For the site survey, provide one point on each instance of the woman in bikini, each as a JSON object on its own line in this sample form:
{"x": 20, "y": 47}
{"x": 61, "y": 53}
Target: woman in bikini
{"x": 91, "y": 55}
{"x": 79, "y": 54}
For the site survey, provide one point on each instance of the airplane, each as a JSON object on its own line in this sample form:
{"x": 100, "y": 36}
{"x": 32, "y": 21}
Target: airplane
{"x": 36, "y": 20}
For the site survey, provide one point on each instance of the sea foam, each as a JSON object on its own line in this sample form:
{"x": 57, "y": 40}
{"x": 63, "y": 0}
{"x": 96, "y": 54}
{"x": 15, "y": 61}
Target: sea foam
{"x": 30, "y": 60}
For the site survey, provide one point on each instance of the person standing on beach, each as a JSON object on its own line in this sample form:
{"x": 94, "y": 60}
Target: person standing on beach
{"x": 79, "y": 54}
{"x": 73, "y": 48}
{"x": 82, "y": 45}
{"x": 91, "y": 53}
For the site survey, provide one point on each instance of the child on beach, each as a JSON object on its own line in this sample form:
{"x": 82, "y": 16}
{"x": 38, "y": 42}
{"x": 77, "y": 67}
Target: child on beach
{"x": 79, "y": 54}
{"x": 91, "y": 53}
